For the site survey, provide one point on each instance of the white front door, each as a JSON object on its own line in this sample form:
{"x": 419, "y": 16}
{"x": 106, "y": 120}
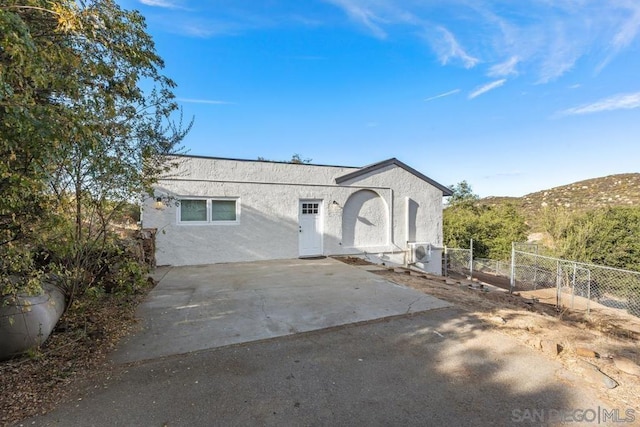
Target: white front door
{"x": 310, "y": 228}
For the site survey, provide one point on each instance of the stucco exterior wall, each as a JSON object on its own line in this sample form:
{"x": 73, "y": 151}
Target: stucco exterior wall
{"x": 365, "y": 220}
{"x": 410, "y": 193}
{"x": 416, "y": 211}
{"x": 267, "y": 226}
{"x": 268, "y": 195}
{"x": 213, "y": 169}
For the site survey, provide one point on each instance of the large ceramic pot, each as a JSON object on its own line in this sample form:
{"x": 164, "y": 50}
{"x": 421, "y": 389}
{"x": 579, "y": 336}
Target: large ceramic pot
{"x": 27, "y": 321}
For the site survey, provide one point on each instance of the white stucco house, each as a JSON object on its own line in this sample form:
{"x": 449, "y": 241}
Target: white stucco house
{"x": 214, "y": 210}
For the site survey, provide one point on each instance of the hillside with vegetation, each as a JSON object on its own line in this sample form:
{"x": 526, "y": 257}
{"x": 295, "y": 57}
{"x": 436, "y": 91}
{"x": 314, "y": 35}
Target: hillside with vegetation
{"x": 596, "y": 220}
{"x": 582, "y": 196}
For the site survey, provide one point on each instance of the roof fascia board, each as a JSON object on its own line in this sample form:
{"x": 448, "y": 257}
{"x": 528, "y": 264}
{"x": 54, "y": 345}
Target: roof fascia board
{"x": 194, "y": 156}
{"x": 393, "y": 162}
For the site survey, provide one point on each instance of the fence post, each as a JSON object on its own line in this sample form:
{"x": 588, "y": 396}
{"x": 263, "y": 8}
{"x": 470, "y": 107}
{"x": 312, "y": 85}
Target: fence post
{"x": 558, "y": 285}
{"x": 573, "y": 284}
{"x": 512, "y": 279}
{"x": 471, "y": 260}
{"x": 588, "y": 291}
{"x": 446, "y": 261}
{"x": 535, "y": 270}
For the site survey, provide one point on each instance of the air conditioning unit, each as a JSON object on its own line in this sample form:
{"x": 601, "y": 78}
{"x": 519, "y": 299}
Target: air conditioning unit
{"x": 420, "y": 252}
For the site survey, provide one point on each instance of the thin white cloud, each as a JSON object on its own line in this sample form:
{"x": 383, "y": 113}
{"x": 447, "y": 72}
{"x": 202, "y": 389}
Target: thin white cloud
{"x": 448, "y": 48}
{"x": 549, "y": 38}
{"x": 628, "y": 31}
{"x": 205, "y": 29}
{"x": 626, "y": 101}
{"x": 223, "y": 22}
{"x": 625, "y": 35}
{"x": 442, "y": 95}
{"x": 203, "y": 101}
{"x": 196, "y": 30}
{"x": 486, "y": 88}
{"x": 562, "y": 52}
{"x": 542, "y": 40}
{"x": 505, "y": 68}
{"x": 363, "y": 15}
{"x": 161, "y": 3}
{"x": 306, "y": 21}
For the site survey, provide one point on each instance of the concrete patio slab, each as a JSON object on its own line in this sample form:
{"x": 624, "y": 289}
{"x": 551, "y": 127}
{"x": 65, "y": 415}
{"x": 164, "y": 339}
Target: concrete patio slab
{"x": 201, "y": 307}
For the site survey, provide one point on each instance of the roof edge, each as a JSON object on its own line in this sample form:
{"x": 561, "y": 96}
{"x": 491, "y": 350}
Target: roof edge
{"x": 196, "y": 156}
{"x": 395, "y": 162}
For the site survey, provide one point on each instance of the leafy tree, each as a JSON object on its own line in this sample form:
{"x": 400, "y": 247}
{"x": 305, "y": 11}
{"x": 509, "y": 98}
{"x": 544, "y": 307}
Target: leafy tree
{"x": 295, "y": 158}
{"x": 299, "y": 160}
{"x": 460, "y": 225}
{"x": 33, "y": 68}
{"x": 609, "y": 236}
{"x": 492, "y": 228}
{"x": 554, "y": 221}
{"x": 80, "y": 137}
{"x": 462, "y": 193}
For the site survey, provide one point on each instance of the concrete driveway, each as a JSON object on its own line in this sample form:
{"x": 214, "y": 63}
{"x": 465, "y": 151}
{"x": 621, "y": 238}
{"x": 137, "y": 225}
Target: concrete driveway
{"x": 435, "y": 367}
{"x": 202, "y": 307}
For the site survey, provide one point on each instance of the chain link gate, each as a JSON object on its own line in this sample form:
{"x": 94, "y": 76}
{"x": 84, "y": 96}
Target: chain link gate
{"x": 590, "y": 283}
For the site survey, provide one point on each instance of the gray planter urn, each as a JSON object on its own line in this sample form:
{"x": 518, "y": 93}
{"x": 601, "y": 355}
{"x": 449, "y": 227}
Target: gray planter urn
{"x": 27, "y": 321}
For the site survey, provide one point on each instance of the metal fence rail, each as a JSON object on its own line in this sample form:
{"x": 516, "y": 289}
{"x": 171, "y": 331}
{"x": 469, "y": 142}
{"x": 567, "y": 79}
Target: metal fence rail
{"x": 575, "y": 283}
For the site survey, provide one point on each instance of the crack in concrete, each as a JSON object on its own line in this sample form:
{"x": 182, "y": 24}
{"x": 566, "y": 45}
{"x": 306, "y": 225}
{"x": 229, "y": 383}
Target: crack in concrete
{"x": 262, "y": 303}
{"x": 411, "y": 304}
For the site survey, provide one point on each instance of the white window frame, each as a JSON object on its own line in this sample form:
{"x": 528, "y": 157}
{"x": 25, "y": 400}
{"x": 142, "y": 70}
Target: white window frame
{"x": 179, "y": 212}
{"x": 224, "y": 199}
{"x": 209, "y": 220}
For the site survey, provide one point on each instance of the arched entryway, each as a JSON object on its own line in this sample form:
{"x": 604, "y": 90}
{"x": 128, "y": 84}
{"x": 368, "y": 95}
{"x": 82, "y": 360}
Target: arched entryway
{"x": 364, "y": 220}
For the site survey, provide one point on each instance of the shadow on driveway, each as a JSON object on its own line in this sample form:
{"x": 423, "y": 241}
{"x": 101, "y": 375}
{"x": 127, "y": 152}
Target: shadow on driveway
{"x": 434, "y": 368}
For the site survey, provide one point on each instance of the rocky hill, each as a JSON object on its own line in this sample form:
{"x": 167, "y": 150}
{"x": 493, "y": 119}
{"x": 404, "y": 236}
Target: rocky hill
{"x": 613, "y": 190}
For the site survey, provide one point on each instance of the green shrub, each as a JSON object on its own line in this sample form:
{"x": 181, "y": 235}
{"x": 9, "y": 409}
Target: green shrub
{"x": 113, "y": 266}
{"x": 492, "y": 228}
{"x": 18, "y": 272}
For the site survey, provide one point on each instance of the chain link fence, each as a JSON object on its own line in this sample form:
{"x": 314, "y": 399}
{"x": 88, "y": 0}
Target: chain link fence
{"x": 577, "y": 285}
{"x": 457, "y": 260}
{"x": 492, "y": 266}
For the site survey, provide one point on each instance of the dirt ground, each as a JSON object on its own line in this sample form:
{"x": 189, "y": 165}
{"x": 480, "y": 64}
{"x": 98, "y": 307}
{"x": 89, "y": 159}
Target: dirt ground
{"x": 606, "y": 340}
{"x": 76, "y": 350}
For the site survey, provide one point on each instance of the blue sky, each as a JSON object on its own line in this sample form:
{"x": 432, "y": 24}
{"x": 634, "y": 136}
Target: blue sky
{"x": 512, "y": 96}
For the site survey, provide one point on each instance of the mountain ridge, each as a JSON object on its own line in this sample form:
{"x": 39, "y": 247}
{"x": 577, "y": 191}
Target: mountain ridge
{"x": 607, "y": 191}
